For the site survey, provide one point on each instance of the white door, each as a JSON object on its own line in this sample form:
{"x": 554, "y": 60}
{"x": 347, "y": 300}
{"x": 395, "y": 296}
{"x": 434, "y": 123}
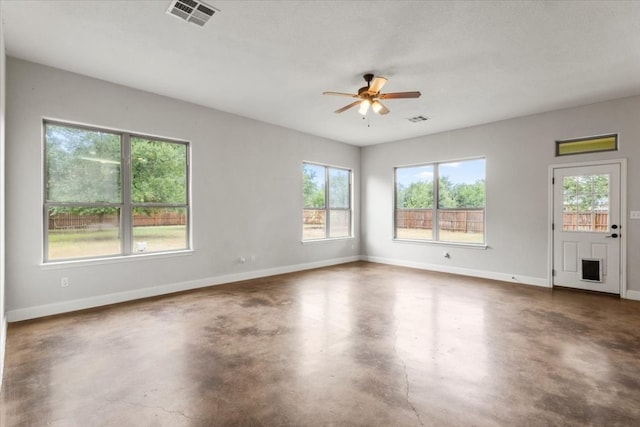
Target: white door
{"x": 586, "y": 227}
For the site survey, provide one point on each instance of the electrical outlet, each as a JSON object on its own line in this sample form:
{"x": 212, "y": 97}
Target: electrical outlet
{"x": 634, "y": 215}
{"x": 253, "y": 257}
{"x": 64, "y": 282}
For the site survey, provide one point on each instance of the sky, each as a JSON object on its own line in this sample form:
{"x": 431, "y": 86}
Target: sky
{"x": 462, "y": 172}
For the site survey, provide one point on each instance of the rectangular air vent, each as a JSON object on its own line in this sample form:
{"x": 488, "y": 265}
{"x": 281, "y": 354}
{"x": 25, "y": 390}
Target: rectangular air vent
{"x": 417, "y": 119}
{"x": 192, "y": 11}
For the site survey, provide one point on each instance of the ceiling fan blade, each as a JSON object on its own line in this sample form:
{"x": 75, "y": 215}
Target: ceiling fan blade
{"x": 350, "y": 95}
{"x": 380, "y": 108}
{"x": 397, "y": 95}
{"x": 346, "y": 107}
{"x": 376, "y": 85}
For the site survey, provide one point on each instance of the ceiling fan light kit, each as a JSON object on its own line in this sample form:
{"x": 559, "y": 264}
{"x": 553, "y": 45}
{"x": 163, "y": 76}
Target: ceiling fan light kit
{"x": 364, "y": 107}
{"x": 369, "y": 96}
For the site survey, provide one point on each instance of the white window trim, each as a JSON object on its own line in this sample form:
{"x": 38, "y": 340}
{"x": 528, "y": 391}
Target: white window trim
{"x": 126, "y": 205}
{"x": 327, "y": 208}
{"x": 435, "y": 209}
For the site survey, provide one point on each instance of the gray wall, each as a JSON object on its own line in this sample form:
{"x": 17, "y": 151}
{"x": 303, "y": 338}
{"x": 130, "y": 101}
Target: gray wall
{"x": 518, "y": 154}
{"x": 247, "y": 192}
{"x": 246, "y": 186}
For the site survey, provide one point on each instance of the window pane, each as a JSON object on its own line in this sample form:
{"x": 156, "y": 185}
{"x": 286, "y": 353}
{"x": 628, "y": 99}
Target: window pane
{"x": 82, "y": 165}
{"x": 586, "y": 203}
{"x": 461, "y": 192}
{"x": 313, "y": 224}
{"x": 414, "y": 224}
{"x": 461, "y": 184}
{"x": 313, "y": 183}
{"x": 318, "y": 202}
{"x": 461, "y": 226}
{"x": 414, "y": 187}
{"x": 83, "y": 232}
{"x": 159, "y": 229}
{"x": 339, "y": 223}
{"x": 338, "y": 188}
{"x": 159, "y": 171}
{"x": 587, "y": 145}
{"x": 414, "y": 202}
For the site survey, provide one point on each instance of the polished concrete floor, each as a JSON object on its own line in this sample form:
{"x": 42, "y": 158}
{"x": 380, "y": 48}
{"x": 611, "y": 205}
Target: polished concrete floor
{"x": 356, "y": 344}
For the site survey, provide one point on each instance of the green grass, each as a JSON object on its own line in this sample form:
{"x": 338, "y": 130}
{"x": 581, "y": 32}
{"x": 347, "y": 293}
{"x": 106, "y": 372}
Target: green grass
{"x": 66, "y": 244}
{"x": 73, "y": 236}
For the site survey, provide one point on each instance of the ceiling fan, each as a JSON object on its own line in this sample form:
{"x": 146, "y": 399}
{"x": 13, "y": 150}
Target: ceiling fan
{"x": 369, "y": 96}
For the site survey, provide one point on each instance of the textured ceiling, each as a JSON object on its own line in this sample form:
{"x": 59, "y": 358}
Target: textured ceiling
{"x": 474, "y": 62}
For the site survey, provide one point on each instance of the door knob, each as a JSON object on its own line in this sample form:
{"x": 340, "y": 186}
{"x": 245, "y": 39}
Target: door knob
{"x": 614, "y": 236}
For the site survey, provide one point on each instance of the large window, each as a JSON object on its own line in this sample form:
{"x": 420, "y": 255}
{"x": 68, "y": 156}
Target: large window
{"x": 326, "y": 193}
{"x": 95, "y": 207}
{"x": 456, "y": 217}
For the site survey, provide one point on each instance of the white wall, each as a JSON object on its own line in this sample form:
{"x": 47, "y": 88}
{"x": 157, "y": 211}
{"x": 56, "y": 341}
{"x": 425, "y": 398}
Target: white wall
{"x": 246, "y": 184}
{"x": 518, "y": 153}
{"x": 3, "y": 322}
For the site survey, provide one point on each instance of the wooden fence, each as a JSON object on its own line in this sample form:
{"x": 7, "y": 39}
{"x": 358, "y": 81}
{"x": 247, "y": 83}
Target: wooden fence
{"x": 472, "y": 221}
{"x": 72, "y": 221}
{"x": 590, "y": 221}
{"x": 467, "y": 221}
{"x": 313, "y": 216}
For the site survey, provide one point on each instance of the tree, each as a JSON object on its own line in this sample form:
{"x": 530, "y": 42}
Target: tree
{"x": 338, "y": 188}
{"x": 84, "y": 167}
{"x": 446, "y": 193}
{"x": 312, "y": 191}
{"x": 418, "y": 195}
{"x": 469, "y": 196}
{"x": 586, "y": 193}
{"x": 158, "y": 172}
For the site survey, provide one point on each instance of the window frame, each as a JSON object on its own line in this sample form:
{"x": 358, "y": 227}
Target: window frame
{"x": 125, "y": 206}
{"x": 587, "y": 145}
{"x": 327, "y": 203}
{"x": 436, "y": 209}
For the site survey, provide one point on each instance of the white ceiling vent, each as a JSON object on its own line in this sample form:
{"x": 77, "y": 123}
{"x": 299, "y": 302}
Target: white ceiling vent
{"x": 193, "y": 11}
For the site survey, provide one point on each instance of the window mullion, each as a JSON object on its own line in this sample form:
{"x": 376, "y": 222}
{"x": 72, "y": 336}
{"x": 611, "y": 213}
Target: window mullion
{"x": 126, "y": 214}
{"x": 350, "y": 209}
{"x": 435, "y": 217}
{"x": 327, "y": 209}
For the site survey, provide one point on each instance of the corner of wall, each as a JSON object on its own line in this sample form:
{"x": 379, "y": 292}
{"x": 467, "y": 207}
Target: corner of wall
{"x": 632, "y": 295}
{"x": 3, "y": 342}
{"x": 3, "y": 316}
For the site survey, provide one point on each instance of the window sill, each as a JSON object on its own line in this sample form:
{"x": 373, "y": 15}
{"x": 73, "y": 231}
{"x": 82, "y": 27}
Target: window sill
{"x": 482, "y": 246}
{"x": 330, "y": 239}
{"x": 113, "y": 260}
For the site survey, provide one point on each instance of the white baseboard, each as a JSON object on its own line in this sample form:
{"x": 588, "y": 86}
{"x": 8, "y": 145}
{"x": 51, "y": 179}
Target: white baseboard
{"x": 634, "y": 295}
{"x": 514, "y": 278}
{"x": 100, "y": 300}
{"x": 3, "y": 344}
